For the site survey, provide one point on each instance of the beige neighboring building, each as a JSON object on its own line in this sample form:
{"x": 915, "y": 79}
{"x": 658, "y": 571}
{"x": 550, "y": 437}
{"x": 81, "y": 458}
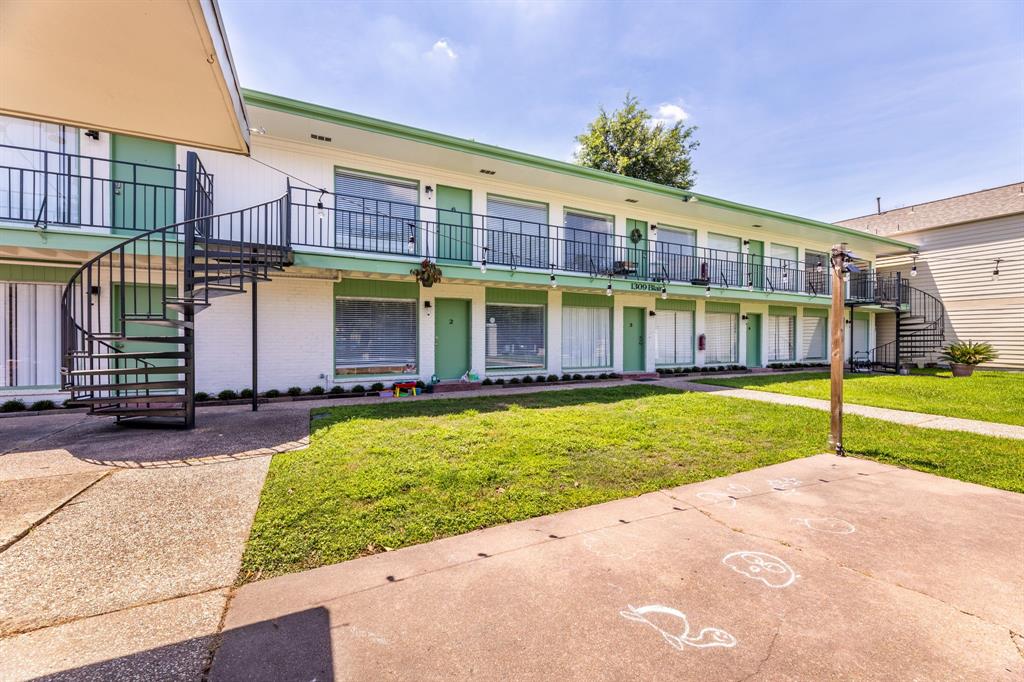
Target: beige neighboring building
{"x": 963, "y": 241}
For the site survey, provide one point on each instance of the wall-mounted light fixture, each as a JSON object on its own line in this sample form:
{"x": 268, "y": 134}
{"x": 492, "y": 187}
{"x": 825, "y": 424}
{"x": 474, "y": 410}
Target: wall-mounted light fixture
{"x": 744, "y": 317}
{"x": 651, "y": 313}
{"x": 995, "y": 273}
{"x": 94, "y": 134}
{"x": 688, "y": 198}
{"x": 427, "y": 305}
{"x": 429, "y": 191}
{"x": 94, "y": 290}
{"x": 746, "y": 242}
{"x": 320, "y": 206}
{"x": 654, "y": 230}
{"x": 913, "y": 268}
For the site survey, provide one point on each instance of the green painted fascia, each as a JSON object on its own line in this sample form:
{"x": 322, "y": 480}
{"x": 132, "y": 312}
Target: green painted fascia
{"x": 782, "y": 310}
{"x": 12, "y": 272}
{"x": 573, "y": 299}
{"x": 286, "y": 105}
{"x": 376, "y": 288}
{"x": 51, "y": 238}
{"x": 816, "y": 312}
{"x": 525, "y": 296}
{"x": 675, "y": 304}
{"x": 863, "y": 317}
{"x": 721, "y": 307}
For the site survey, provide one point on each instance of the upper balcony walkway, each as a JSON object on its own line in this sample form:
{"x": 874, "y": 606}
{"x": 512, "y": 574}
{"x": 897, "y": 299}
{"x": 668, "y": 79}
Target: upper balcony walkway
{"x": 46, "y": 188}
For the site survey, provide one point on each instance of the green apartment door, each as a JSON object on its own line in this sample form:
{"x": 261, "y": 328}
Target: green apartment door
{"x": 451, "y": 337}
{"x": 455, "y": 224}
{"x": 637, "y": 250}
{"x": 142, "y": 299}
{"x": 753, "y": 339}
{"x": 755, "y": 264}
{"x": 633, "y": 359}
{"x": 144, "y": 196}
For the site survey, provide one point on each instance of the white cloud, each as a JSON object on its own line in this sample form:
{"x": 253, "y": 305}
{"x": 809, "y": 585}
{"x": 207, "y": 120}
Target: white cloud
{"x": 670, "y": 114}
{"x": 443, "y": 50}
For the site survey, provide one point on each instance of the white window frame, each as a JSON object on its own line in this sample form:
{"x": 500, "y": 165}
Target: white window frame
{"x": 490, "y": 330}
{"x": 379, "y": 368}
{"x": 30, "y": 317}
{"x": 735, "y": 340}
{"x": 776, "y": 341}
{"x": 812, "y": 327}
{"x": 662, "y": 318}
{"x": 601, "y": 353}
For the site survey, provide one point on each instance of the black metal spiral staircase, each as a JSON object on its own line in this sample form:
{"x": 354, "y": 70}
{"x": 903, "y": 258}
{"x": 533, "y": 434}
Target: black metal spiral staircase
{"x": 136, "y": 357}
{"x": 920, "y": 319}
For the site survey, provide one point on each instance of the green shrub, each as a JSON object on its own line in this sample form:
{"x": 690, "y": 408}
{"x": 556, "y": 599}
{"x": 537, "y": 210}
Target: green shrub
{"x": 552, "y": 377}
{"x": 487, "y": 381}
{"x": 577, "y": 377}
{"x": 202, "y": 397}
{"x": 245, "y": 393}
{"x": 969, "y": 353}
{"x": 227, "y": 394}
{"x": 590, "y": 377}
{"x": 337, "y": 390}
{"x": 499, "y": 382}
{"x": 40, "y": 405}
{"x": 527, "y": 379}
{"x": 272, "y": 393}
{"x": 377, "y": 387}
{"x": 541, "y": 379}
{"x": 12, "y": 406}
{"x": 566, "y": 377}
{"x": 316, "y": 390}
{"x": 513, "y": 380}
{"x": 359, "y": 388}
{"x": 294, "y": 391}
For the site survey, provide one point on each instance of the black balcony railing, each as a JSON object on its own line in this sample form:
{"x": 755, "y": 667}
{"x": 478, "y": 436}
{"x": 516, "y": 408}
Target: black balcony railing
{"x": 361, "y": 224}
{"x": 57, "y": 188}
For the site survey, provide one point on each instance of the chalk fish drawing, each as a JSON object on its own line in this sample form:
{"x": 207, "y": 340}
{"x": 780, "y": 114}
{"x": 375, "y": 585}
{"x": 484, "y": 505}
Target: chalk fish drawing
{"x": 616, "y": 545}
{"x": 707, "y": 637}
{"x": 786, "y": 483}
{"x": 769, "y": 569}
{"x": 726, "y": 498}
{"x": 828, "y": 524}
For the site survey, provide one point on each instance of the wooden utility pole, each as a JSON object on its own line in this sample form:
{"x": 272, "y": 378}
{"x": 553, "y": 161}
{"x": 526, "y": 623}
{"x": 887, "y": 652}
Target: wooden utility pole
{"x": 837, "y": 324}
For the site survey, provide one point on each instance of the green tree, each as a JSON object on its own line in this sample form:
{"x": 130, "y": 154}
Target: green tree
{"x": 629, "y": 142}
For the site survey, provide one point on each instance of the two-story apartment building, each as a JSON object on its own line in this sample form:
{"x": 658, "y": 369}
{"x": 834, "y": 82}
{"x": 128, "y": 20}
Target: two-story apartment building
{"x": 546, "y": 267}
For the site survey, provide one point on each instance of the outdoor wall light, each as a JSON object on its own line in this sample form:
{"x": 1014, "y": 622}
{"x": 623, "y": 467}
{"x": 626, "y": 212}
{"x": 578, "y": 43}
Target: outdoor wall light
{"x": 320, "y": 206}
{"x": 95, "y": 134}
{"x": 654, "y": 230}
{"x": 995, "y": 273}
{"x": 429, "y": 191}
{"x": 689, "y": 198}
{"x": 746, "y": 242}
{"x": 785, "y": 275}
{"x": 427, "y": 305}
{"x": 913, "y": 268}
{"x": 651, "y": 313}
{"x": 744, "y": 317}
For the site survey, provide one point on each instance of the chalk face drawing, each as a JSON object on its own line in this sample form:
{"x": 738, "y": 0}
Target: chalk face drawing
{"x": 657, "y": 616}
{"x": 828, "y": 524}
{"x": 616, "y": 544}
{"x": 769, "y": 569}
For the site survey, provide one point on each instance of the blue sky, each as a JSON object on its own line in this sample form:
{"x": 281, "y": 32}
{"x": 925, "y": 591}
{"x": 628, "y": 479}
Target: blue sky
{"x": 813, "y": 108}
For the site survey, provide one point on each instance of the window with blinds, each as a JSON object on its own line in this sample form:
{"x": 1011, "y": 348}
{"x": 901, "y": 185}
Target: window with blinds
{"x": 674, "y": 337}
{"x": 815, "y": 338}
{"x": 675, "y": 249}
{"x": 722, "y": 334}
{"x": 374, "y": 336}
{"x": 586, "y": 338}
{"x": 517, "y": 232}
{"x": 515, "y": 336}
{"x": 816, "y": 282}
{"x": 29, "y": 334}
{"x": 783, "y": 269}
{"x": 780, "y": 335}
{"x": 55, "y": 197}
{"x": 373, "y": 213}
{"x": 726, "y": 261}
{"x": 589, "y": 239}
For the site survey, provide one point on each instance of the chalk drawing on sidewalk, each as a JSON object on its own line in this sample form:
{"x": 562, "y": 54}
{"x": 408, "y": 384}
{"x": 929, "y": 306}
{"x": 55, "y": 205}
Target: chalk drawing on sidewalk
{"x": 727, "y": 498}
{"x": 769, "y": 569}
{"x": 786, "y": 483}
{"x": 706, "y": 638}
{"x": 616, "y": 545}
{"x": 828, "y": 524}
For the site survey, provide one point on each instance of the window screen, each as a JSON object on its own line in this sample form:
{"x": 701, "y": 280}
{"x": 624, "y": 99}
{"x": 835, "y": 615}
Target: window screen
{"x": 374, "y": 213}
{"x": 586, "y": 337}
{"x": 781, "y": 333}
{"x": 674, "y": 332}
{"x": 517, "y": 232}
{"x": 722, "y": 337}
{"x": 30, "y": 329}
{"x": 588, "y": 242}
{"x": 374, "y": 336}
{"x": 815, "y": 338}
{"x": 515, "y": 336}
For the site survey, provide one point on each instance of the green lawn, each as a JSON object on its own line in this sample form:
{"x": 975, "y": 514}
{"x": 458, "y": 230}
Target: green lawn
{"x": 988, "y": 396}
{"x": 393, "y": 474}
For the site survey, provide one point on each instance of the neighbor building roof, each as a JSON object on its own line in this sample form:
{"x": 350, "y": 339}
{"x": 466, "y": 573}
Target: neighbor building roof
{"x": 965, "y": 208}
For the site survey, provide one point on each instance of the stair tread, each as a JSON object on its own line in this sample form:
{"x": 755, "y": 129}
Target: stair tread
{"x": 133, "y": 399}
{"x": 145, "y": 355}
{"x": 136, "y": 385}
{"x": 115, "y": 371}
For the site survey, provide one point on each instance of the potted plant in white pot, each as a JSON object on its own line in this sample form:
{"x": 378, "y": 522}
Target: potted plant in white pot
{"x": 964, "y": 356}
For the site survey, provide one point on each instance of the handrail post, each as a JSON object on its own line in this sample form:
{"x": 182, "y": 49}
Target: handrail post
{"x": 189, "y": 227}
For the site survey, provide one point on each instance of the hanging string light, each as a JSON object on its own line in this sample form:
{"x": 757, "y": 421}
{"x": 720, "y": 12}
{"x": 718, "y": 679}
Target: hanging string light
{"x": 483, "y": 263}
{"x": 913, "y": 268}
{"x": 707, "y": 291}
{"x": 411, "y": 245}
{"x": 608, "y": 289}
{"x": 664, "y": 290}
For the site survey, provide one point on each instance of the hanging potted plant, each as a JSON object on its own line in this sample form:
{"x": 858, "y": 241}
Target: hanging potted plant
{"x": 427, "y": 273}
{"x": 964, "y": 356}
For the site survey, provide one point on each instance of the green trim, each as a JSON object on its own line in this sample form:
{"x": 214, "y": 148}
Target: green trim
{"x": 675, "y": 304}
{"x": 816, "y": 312}
{"x": 782, "y": 310}
{"x": 863, "y": 317}
{"x": 264, "y": 100}
{"x": 35, "y": 273}
{"x": 526, "y": 296}
{"x": 376, "y": 288}
{"x": 572, "y": 299}
{"x": 721, "y": 307}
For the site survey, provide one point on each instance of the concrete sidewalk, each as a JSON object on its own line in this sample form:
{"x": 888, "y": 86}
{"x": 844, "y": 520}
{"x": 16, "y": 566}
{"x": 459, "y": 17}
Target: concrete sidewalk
{"x": 925, "y": 421}
{"x": 821, "y": 568}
